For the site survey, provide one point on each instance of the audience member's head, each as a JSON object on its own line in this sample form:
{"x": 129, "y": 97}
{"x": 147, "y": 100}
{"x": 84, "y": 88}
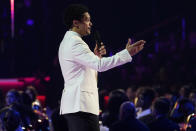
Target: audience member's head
{"x": 184, "y": 91}
{"x": 127, "y": 111}
{"x": 116, "y": 98}
{"x": 138, "y": 92}
{"x": 192, "y": 96}
{"x": 31, "y": 91}
{"x": 131, "y": 93}
{"x": 25, "y": 99}
{"x": 12, "y": 97}
{"x": 161, "y": 107}
{"x": 163, "y": 91}
{"x": 145, "y": 98}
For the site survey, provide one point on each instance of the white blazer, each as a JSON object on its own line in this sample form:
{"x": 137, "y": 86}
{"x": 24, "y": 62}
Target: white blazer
{"x": 79, "y": 67}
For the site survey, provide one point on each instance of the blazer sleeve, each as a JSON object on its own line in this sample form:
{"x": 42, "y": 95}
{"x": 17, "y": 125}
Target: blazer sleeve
{"x": 83, "y": 55}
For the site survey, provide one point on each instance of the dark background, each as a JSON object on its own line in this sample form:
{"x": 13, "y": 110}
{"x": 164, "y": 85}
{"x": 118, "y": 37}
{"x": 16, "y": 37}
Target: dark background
{"x": 34, "y": 47}
{"x": 33, "y": 50}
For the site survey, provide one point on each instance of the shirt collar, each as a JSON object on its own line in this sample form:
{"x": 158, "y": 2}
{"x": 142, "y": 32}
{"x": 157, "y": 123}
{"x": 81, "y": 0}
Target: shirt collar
{"x": 144, "y": 113}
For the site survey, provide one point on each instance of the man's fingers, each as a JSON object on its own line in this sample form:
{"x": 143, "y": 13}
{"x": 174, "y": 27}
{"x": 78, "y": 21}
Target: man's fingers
{"x": 141, "y": 47}
{"x": 96, "y": 46}
{"x": 129, "y": 40}
{"x": 102, "y": 47}
{"x": 138, "y": 43}
{"x": 128, "y": 43}
{"x": 103, "y": 52}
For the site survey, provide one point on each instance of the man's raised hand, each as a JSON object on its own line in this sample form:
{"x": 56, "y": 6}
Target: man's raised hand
{"x": 133, "y": 49}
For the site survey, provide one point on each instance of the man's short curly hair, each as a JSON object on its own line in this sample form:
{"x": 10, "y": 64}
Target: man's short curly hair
{"x": 73, "y": 12}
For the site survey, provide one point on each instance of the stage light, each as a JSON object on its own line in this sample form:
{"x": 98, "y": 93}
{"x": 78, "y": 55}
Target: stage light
{"x": 12, "y": 18}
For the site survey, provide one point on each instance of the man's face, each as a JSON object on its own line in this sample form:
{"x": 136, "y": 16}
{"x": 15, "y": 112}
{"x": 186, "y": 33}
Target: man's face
{"x": 140, "y": 101}
{"x": 85, "y": 25}
{"x": 10, "y": 98}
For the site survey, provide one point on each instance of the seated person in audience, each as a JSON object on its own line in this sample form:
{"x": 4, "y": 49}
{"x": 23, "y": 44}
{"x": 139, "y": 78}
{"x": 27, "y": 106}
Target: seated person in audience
{"x": 192, "y": 97}
{"x": 11, "y": 121}
{"x": 12, "y": 97}
{"x": 145, "y": 100}
{"x": 32, "y": 93}
{"x": 184, "y": 91}
{"x": 116, "y": 98}
{"x": 160, "y": 111}
{"x": 128, "y": 121}
{"x": 182, "y": 109}
{"x": 131, "y": 92}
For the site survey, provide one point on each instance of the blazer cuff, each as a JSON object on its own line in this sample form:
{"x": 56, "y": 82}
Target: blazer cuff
{"x": 124, "y": 54}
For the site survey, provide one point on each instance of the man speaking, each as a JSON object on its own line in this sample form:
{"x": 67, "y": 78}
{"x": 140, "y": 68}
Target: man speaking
{"x": 79, "y": 65}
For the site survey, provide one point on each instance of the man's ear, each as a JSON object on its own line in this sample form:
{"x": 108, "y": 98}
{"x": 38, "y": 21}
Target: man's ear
{"x": 76, "y": 23}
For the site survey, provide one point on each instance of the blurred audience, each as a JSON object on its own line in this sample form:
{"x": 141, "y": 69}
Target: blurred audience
{"x": 127, "y": 119}
{"x": 144, "y": 103}
{"x": 131, "y": 92}
{"x": 32, "y": 93}
{"x": 116, "y": 98}
{"x": 19, "y": 113}
{"x": 11, "y": 121}
{"x": 160, "y": 111}
{"x": 182, "y": 109}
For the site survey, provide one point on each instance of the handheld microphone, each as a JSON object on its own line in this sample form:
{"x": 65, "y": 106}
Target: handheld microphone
{"x": 97, "y": 38}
